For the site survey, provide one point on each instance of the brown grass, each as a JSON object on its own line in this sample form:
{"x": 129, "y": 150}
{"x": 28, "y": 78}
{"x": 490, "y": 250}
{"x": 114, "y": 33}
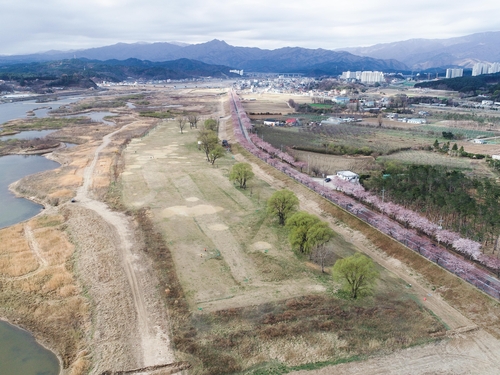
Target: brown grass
{"x": 54, "y": 245}
{"x": 16, "y": 257}
{"x": 47, "y": 303}
{"x": 308, "y": 329}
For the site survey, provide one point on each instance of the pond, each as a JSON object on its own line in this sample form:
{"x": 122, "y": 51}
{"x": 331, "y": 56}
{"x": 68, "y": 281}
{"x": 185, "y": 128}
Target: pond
{"x": 21, "y": 354}
{"x": 13, "y": 168}
{"x": 96, "y": 116}
{"x": 28, "y": 134}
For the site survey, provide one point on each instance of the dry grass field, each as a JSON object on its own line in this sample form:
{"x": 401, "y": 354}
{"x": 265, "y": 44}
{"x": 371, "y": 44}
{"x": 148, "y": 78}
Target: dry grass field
{"x": 39, "y": 287}
{"x": 261, "y": 103}
{"x": 478, "y": 168}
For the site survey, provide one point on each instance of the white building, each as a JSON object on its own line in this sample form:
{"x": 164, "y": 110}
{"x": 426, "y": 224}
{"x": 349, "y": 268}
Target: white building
{"x": 485, "y": 68}
{"x": 452, "y": 73}
{"x": 348, "y": 176}
{"x": 416, "y": 121}
{"x": 494, "y": 68}
{"x": 372, "y": 77}
{"x": 480, "y": 68}
{"x": 351, "y": 75}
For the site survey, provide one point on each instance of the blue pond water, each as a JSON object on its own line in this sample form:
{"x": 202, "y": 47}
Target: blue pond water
{"x": 12, "y": 168}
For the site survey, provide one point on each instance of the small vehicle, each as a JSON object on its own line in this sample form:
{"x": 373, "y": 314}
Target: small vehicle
{"x": 328, "y": 179}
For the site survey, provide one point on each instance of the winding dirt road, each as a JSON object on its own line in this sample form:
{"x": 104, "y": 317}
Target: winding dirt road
{"x": 154, "y": 347}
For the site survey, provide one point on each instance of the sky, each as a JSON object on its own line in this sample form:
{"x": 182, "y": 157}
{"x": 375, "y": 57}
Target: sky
{"x": 30, "y": 26}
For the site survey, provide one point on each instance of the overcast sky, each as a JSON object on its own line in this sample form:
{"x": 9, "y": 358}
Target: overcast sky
{"x": 28, "y": 26}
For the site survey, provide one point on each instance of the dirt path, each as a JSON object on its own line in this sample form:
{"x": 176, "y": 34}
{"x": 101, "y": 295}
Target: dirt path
{"x": 35, "y": 249}
{"x": 154, "y": 344}
{"x": 473, "y": 353}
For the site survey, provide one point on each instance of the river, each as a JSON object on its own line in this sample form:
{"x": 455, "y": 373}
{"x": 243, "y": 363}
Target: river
{"x": 15, "y": 110}
{"x": 19, "y": 351}
{"x": 13, "y": 168}
{"x": 20, "y": 354}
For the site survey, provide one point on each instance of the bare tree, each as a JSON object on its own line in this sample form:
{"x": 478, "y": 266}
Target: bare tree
{"x": 380, "y": 119}
{"x": 323, "y": 255}
{"x": 193, "y": 121}
{"x": 182, "y": 123}
{"x": 315, "y": 169}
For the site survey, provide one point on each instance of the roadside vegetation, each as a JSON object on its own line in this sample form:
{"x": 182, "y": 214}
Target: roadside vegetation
{"x": 459, "y": 203}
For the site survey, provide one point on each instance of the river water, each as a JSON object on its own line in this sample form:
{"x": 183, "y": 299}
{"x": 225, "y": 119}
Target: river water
{"x": 28, "y": 134}
{"x": 20, "y": 354}
{"x": 19, "y": 351}
{"x": 96, "y": 116}
{"x": 12, "y": 168}
{"x": 15, "y": 110}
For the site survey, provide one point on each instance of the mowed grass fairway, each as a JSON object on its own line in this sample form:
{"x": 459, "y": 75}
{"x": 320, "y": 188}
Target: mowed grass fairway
{"x": 251, "y": 303}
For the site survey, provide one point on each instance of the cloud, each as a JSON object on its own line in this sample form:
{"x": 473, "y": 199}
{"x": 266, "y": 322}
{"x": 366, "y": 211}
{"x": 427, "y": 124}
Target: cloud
{"x": 28, "y": 26}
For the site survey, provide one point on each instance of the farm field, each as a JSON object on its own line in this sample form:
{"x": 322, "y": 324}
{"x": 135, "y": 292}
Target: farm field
{"x": 247, "y": 301}
{"x": 468, "y": 133}
{"x": 272, "y": 103}
{"x": 329, "y": 164}
{"x": 468, "y": 166}
{"x": 377, "y": 140}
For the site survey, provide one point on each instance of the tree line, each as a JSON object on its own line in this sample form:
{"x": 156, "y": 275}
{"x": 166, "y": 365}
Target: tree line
{"x": 308, "y": 235}
{"x": 469, "y": 206}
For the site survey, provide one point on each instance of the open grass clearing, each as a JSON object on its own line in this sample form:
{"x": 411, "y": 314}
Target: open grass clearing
{"x": 273, "y": 103}
{"x": 467, "y": 132}
{"x": 477, "y": 168}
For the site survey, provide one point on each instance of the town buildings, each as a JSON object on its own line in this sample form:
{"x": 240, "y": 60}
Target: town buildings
{"x": 485, "y": 68}
{"x": 453, "y": 73}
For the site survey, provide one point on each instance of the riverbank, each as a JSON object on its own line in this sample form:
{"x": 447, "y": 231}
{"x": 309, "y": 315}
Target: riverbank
{"x": 63, "y": 282}
{"x": 38, "y": 354}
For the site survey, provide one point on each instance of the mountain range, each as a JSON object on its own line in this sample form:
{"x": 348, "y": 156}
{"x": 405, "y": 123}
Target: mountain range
{"x": 421, "y": 54}
{"x": 216, "y": 52}
{"x": 413, "y": 54}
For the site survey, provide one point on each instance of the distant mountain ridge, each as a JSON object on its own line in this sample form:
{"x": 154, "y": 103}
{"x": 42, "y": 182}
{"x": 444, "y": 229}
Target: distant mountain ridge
{"x": 217, "y": 52}
{"x": 113, "y": 70}
{"x": 420, "y": 54}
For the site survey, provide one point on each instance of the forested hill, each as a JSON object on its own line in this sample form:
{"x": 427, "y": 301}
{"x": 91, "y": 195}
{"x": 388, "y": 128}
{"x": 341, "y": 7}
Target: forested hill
{"x": 482, "y": 84}
{"x": 112, "y": 70}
